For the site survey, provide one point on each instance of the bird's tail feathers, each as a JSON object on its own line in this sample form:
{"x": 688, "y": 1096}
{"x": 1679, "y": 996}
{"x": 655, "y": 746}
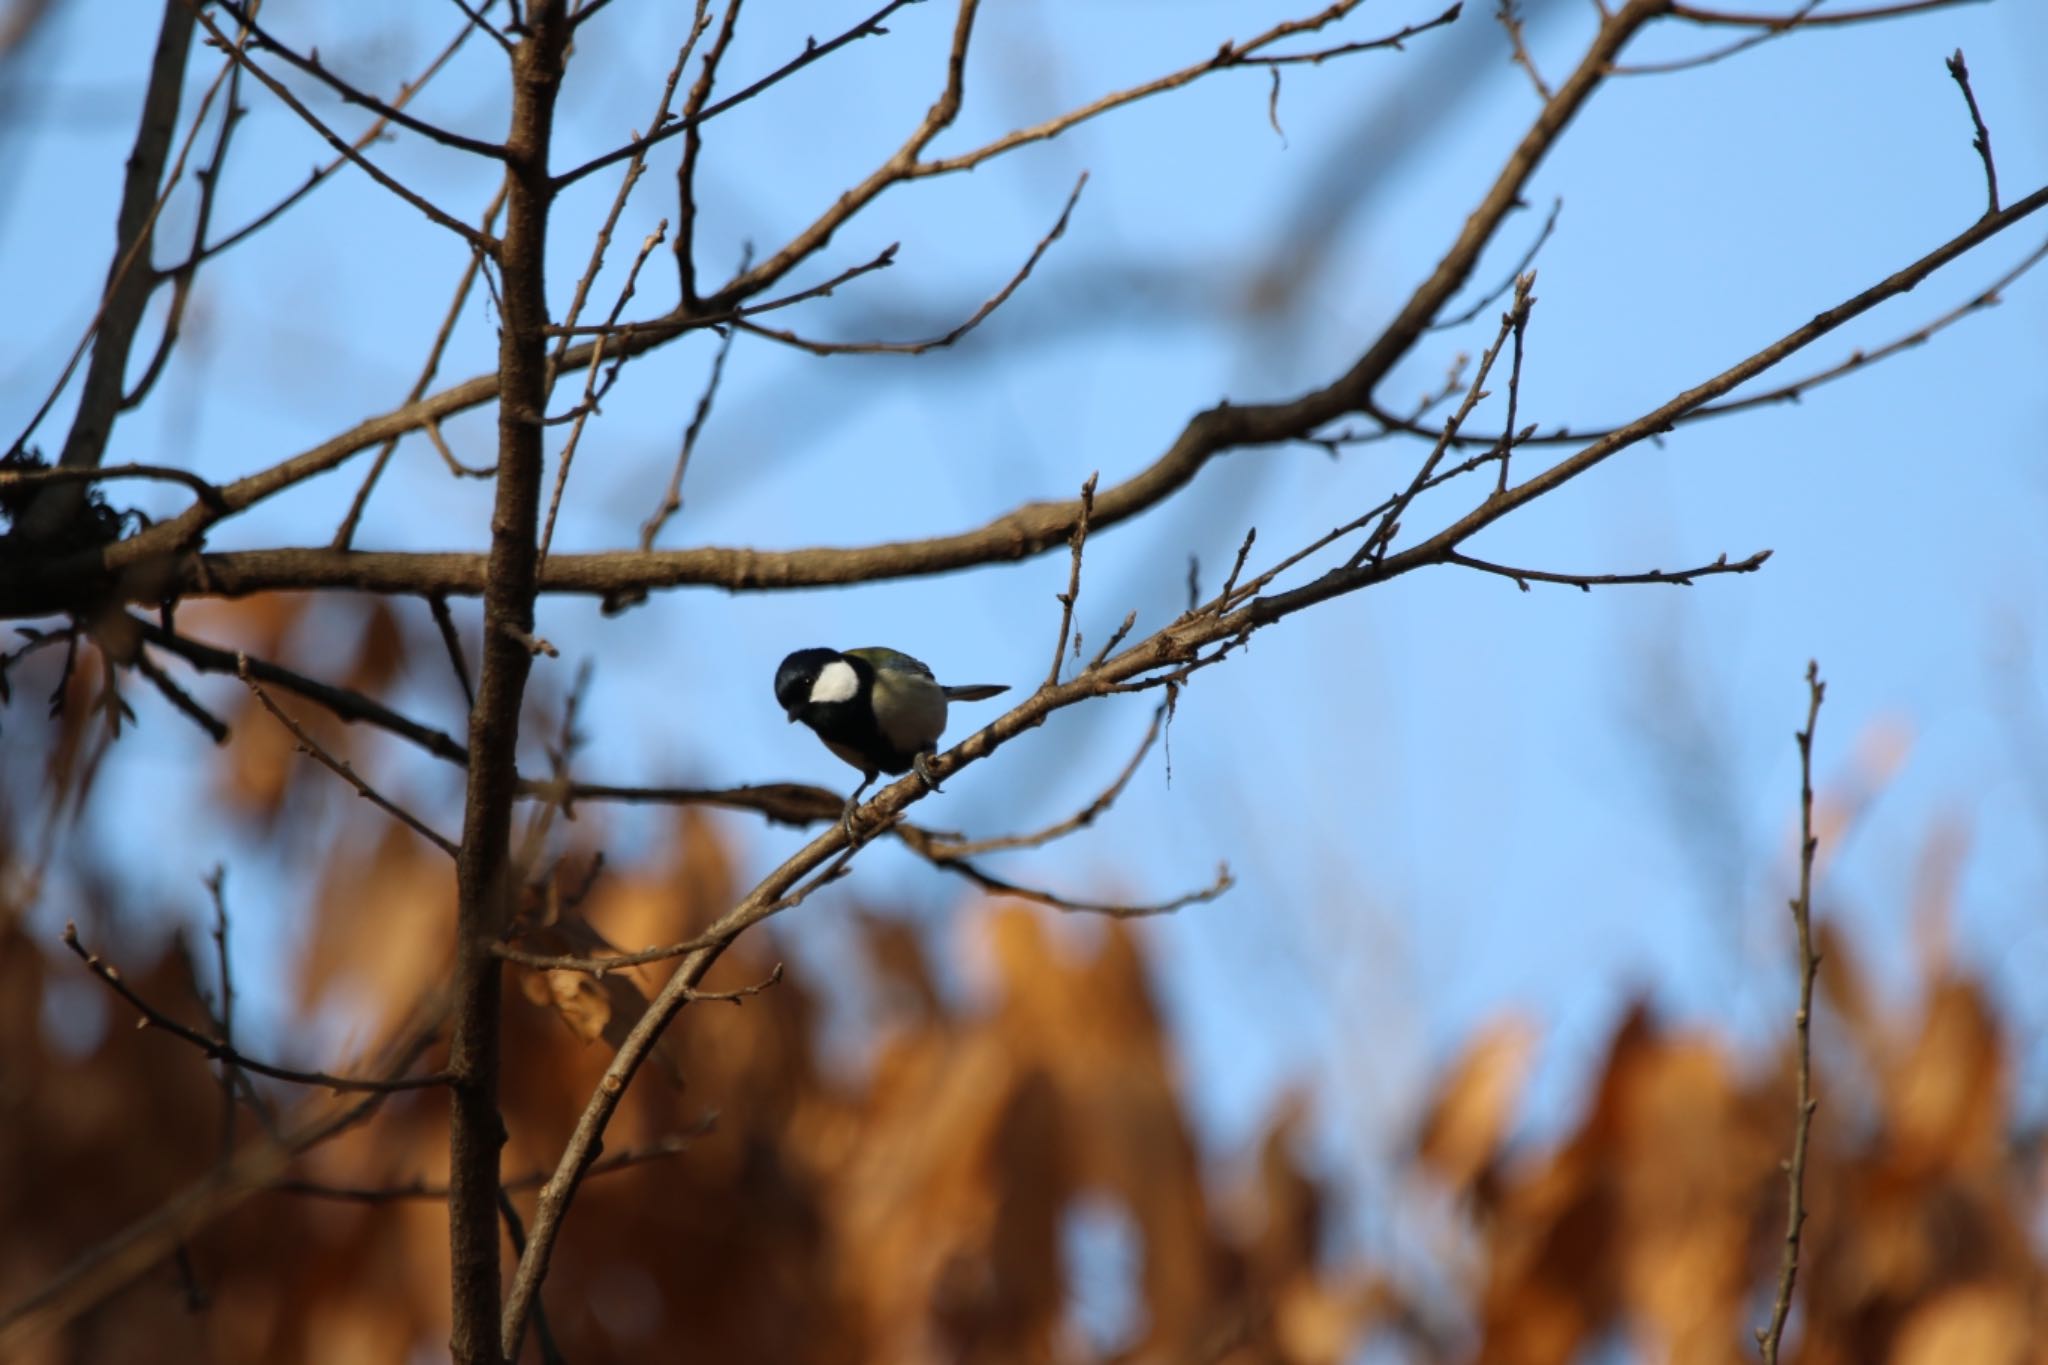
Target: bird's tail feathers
{"x": 978, "y": 692}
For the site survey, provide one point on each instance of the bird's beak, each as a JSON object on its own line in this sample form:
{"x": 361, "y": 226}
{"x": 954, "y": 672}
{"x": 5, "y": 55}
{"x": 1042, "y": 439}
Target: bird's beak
{"x": 793, "y": 714}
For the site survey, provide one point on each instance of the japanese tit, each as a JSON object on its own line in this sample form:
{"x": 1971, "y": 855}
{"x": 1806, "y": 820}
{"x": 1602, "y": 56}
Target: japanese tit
{"x": 876, "y": 708}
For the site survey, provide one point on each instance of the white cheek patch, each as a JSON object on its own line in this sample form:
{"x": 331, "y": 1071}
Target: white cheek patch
{"x": 836, "y": 682}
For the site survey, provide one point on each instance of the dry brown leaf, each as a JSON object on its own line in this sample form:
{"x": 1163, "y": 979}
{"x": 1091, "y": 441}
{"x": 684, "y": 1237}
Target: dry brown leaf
{"x": 1972, "y": 1325}
{"x": 577, "y": 999}
{"x": 1466, "y": 1123}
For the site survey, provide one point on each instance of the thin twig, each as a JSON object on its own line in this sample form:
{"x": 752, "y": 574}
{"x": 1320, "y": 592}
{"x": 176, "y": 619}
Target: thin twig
{"x": 1116, "y": 637}
{"x": 1981, "y": 140}
{"x": 980, "y": 315}
{"x": 1792, "y": 392}
{"x": 341, "y": 701}
{"x": 813, "y": 52}
{"x": 1382, "y": 536}
{"x": 444, "y": 621}
{"x": 424, "y": 1189}
{"x": 352, "y": 94}
{"x": 434, "y": 212}
{"x": 320, "y": 175}
{"x": 1769, "y": 1337}
{"x": 1073, "y": 592}
{"x": 947, "y": 850}
{"x": 735, "y": 997}
{"x": 671, "y": 326}
{"x": 341, "y": 768}
{"x": 1487, "y": 300}
{"x": 218, "y": 1051}
{"x": 693, "y": 145}
{"x": 476, "y": 18}
{"x": 1519, "y": 316}
{"x": 591, "y": 395}
{"x": 672, "y": 496}
{"x": 216, "y": 728}
{"x": 601, "y": 243}
{"x": 1394, "y": 41}
{"x": 1512, "y": 22}
{"x": 230, "y": 1074}
{"x": 1587, "y": 582}
{"x": 344, "y": 534}
{"x": 997, "y": 886}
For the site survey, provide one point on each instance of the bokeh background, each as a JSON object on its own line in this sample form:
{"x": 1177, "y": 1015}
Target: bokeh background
{"x": 1528, "y": 849}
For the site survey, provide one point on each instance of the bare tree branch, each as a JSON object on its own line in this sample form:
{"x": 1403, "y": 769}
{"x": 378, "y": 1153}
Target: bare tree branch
{"x": 341, "y": 768}
{"x": 129, "y": 282}
{"x": 345, "y": 533}
{"x": 484, "y": 874}
{"x": 1769, "y": 1337}
{"x": 813, "y": 52}
{"x": 672, "y": 496}
{"x": 1694, "y": 14}
{"x": 1073, "y": 592}
{"x": 341, "y": 701}
{"x": 425, "y": 1189}
{"x": 322, "y": 174}
{"x": 434, "y": 213}
{"x": 974, "y": 320}
{"x": 209, "y": 495}
{"x": 353, "y": 94}
{"x": 1683, "y": 578}
{"x": 215, "y": 1050}
{"x": 1981, "y": 136}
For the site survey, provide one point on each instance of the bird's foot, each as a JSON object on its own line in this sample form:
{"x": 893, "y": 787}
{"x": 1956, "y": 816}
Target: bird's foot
{"x": 924, "y": 773}
{"x": 852, "y": 805}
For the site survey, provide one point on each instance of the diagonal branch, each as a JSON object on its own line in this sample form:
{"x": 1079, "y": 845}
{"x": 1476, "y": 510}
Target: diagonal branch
{"x": 321, "y": 174}
{"x": 341, "y": 767}
{"x": 672, "y": 496}
{"x": 218, "y": 1050}
{"x": 353, "y": 94}
{"x": 997, "y": 886}
{"x": 813, "y": 52}
{"x": 348, "y": 149}
{"x": 343, "y": 702}
{"x": 979, "y": 316}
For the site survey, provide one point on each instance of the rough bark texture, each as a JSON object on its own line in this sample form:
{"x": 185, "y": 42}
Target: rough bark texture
{"x": 482, "y": 869}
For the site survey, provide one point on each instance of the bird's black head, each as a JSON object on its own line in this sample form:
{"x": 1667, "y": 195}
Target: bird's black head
{"x": 798, "y": 681}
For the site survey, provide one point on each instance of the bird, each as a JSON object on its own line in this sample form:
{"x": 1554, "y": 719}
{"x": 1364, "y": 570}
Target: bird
{"x": 876, "y": 708}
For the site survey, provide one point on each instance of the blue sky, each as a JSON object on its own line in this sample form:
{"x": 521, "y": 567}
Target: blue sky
{"x": 1445, "y": 799}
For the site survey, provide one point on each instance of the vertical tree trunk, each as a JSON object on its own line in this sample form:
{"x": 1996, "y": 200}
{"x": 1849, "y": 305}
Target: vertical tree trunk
{"x": 483, "y": 874}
